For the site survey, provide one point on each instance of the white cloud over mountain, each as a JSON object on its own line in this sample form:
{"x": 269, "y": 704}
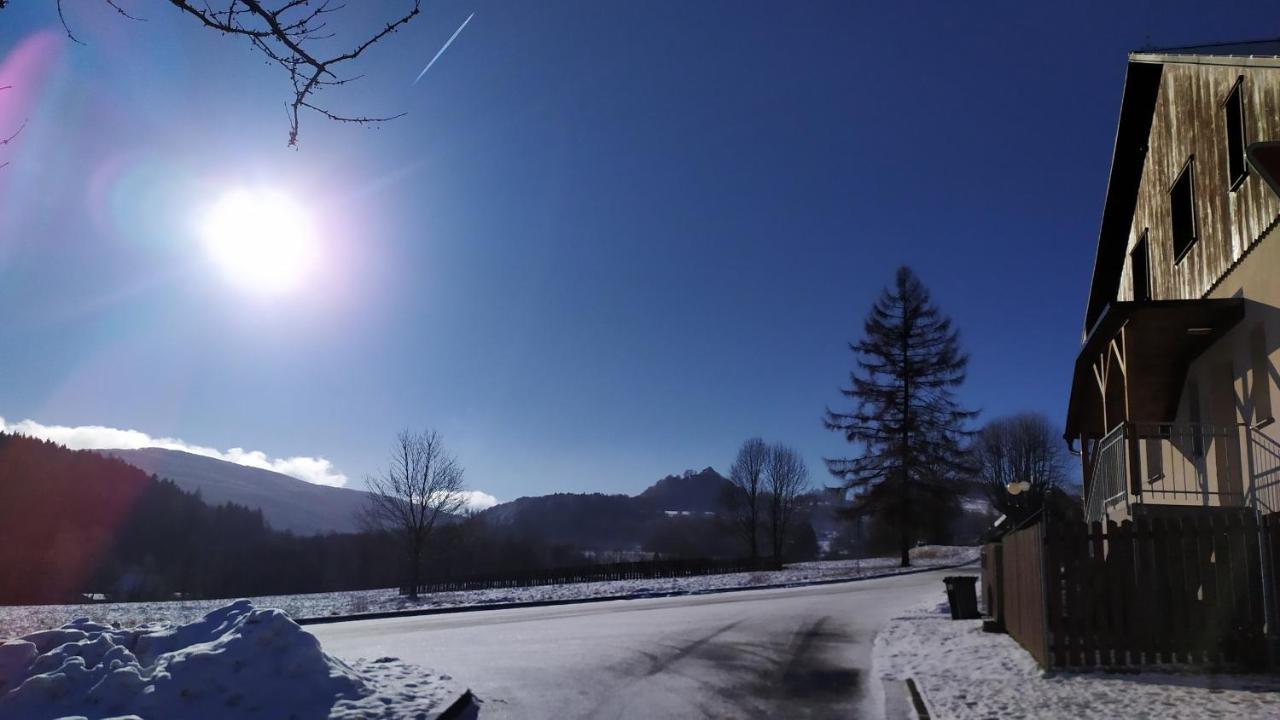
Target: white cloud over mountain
{"x": 477, "y": 500}
{"x": 316, "y": 470}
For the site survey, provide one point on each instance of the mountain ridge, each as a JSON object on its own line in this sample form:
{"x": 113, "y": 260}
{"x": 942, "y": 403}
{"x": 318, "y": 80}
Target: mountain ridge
{"x": 286, "y": 502}
{"x": 305, "y": 508}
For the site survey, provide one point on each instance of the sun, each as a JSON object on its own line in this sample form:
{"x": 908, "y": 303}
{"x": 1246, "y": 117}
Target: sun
{"x": 262, "y": 239}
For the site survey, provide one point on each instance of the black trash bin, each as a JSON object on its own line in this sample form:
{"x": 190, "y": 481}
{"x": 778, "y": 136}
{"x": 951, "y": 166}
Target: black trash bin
{"x": 962, "y": 596}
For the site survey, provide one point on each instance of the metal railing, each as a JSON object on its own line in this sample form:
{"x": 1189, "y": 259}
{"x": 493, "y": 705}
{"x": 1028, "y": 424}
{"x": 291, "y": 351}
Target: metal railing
{"x": 1264, "y": 470}
{"x": 1184, "y": 464}
{"x": 1108, "y": 489}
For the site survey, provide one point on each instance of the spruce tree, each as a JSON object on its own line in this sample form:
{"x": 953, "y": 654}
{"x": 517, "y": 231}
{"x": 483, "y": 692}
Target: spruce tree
{"x": 906, "y": 420}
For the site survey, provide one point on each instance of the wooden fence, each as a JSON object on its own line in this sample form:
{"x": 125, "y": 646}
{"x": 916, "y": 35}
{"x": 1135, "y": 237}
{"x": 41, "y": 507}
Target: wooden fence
{"x": 1151, "y": 591}
{"x": 1022, "y": 571}
{"x": 645, "y": 570}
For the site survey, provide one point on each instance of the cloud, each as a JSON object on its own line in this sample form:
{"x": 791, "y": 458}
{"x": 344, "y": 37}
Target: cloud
{"x": 477, "y": 500}
{"x": 315, "y": 470}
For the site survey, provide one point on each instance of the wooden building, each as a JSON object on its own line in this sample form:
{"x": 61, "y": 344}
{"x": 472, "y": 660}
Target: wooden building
{"x": 1176, "y": 385}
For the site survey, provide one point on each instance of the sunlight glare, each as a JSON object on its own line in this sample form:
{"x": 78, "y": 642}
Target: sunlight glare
{"x": 263, "y": 240}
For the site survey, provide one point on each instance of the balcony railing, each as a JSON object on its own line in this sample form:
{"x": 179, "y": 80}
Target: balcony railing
{"x": 1183, "y": 464}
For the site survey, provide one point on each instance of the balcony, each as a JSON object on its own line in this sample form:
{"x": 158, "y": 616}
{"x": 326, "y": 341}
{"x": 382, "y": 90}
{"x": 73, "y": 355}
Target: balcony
{"x": 1140, "y": 467}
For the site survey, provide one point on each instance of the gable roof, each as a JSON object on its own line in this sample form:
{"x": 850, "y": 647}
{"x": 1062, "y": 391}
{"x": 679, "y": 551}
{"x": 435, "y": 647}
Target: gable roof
{"x": 1141, "y": 87}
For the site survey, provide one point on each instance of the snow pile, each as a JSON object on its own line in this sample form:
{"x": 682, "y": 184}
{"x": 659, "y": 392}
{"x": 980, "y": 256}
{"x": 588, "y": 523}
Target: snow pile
{"x": 15, "y": 620}
{"x": 964, "y": 672}
{"x": 237, "y": 662}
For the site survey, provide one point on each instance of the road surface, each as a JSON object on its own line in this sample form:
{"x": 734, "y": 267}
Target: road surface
{"x": 792, "y": 653}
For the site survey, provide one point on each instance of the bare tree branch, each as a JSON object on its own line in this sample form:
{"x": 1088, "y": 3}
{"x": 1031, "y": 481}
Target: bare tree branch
{"x": 122, "y": 11}
{"x": 285, "y": 32}
{"x": 63, "y": 19}
{"x": 9, "y": 139}
{"x": 1025, "y": 449}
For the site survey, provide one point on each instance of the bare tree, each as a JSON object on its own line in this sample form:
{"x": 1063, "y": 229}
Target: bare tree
{"x": 786, "y": 479}
{"x": 421, "y": 486}
{"x": 1021, "y": 448}
{"x": 744, "y": 497}
{"x": 287, "y": 33}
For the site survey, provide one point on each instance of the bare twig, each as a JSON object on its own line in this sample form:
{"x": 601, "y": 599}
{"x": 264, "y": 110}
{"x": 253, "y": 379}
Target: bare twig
{"x": 122, "y": 11}
{"x": 6, "y": 141}
{"x": 65, "y": 26}
{"x": 9, "y": 139}
{"x": 284, "y": 34}
{"x": 285, "y": 31}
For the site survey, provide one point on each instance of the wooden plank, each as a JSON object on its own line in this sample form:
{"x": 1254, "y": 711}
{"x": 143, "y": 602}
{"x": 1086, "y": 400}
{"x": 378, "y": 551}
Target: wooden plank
{"x": 1054, "y": 541}
{"x": 1182, "y": 550}
{"x": 1123, "y": 575}
{"x": 1075, "y": 627}
{"x": 1091, "y": 589}
{"x": 1113, "y": 607}
{"x": 1079, "y": 598}
{"x": 1141, "y": 635}
{"x": 1254, "y": 617}
{"x": 1166, "y": 550}
{"x": 1208, "y": 590}
{"x": 1226, "y": 595}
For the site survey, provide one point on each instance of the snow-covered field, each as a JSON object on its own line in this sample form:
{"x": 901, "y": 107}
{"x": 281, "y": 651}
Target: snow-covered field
{"x": 18, "y": 620}
{"x": 964, "y": 672}
{"x": 236, "y": 662}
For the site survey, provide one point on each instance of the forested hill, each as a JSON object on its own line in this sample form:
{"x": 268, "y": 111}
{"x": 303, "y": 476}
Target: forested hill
{"x": 695, "y": 492}
{"x": 675, "y": 515}
{"x": 79, "y": 522}
{"x": 76, "y": 522}
{"x": 286, "y": 502}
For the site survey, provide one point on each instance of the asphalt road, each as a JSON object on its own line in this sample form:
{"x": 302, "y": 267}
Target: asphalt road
{"x": 793, "y": 653}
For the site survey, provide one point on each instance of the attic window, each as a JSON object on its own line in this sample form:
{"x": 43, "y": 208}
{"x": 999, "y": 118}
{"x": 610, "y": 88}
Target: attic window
{"x": 1140, "y": 270}
{"x": 1233, "y": 112}
{"x": 1182, "y": 204}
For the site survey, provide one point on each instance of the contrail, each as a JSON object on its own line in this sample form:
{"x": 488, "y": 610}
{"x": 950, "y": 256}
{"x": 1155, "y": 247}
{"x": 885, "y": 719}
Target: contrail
{"x": 449, "y": 42}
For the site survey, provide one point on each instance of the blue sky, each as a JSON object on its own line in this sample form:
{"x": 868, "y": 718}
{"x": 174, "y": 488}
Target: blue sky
{"x": 608, "y": 242}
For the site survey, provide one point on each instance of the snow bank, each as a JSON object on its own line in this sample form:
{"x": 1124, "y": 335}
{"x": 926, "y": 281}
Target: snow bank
{"x": 15, "y": 620}
{"x": 964, "y": 672}
{"x": 236, "y": 662}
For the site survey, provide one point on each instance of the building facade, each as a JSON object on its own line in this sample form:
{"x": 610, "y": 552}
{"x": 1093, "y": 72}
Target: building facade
{"x": 1176, "y": 385}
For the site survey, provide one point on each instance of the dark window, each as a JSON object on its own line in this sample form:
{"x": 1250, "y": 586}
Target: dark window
{"x": 1182, "y": 205}
{"x": 1141, "y": 270}
{"x": 1233, "y": 110}
{"x": 1261, "y": 384}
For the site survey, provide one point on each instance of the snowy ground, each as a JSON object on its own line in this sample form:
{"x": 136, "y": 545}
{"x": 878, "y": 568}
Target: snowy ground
{"x": 964, "y": 672}
{"x": 236, "y": 662}
{"x": 17, "y": 620}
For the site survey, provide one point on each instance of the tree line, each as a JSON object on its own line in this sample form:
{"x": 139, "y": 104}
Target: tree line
{"x": 77, "y": 522}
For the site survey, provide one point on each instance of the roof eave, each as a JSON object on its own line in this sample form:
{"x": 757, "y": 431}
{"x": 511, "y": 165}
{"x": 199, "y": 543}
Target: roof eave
{"x": 1137, "y": 106}
{"x": 1164, "y": 58}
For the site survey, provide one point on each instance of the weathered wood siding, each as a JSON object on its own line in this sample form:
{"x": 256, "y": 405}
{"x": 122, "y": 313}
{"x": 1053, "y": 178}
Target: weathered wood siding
{"x": 1189, "y": 121}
